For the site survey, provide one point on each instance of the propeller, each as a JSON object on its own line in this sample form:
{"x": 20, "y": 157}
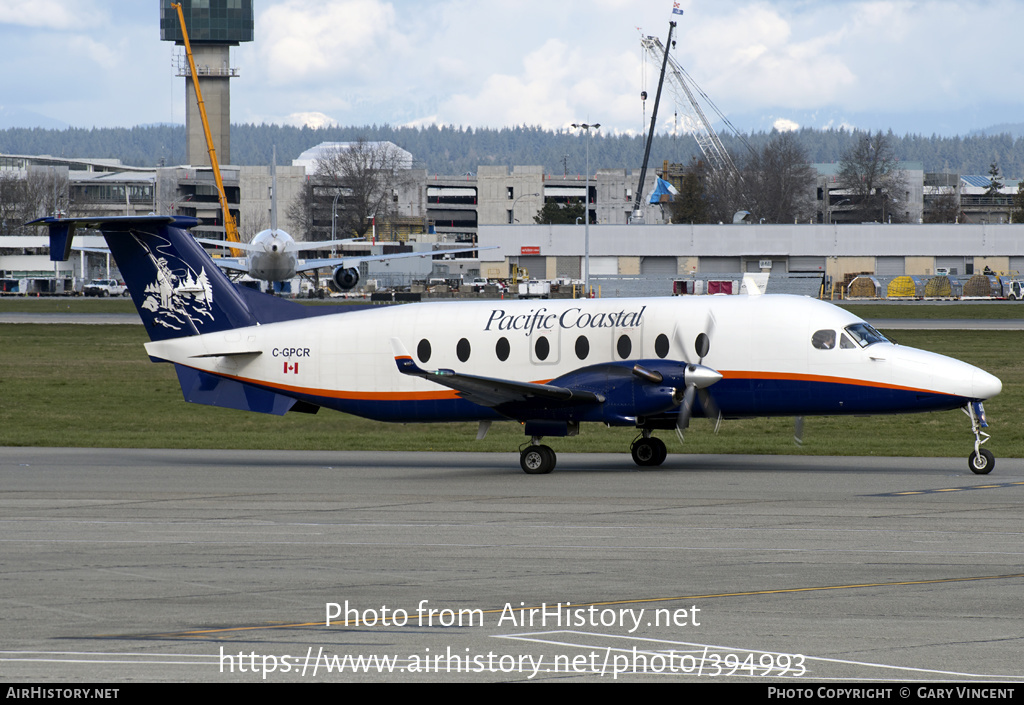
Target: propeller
{"x": 697, "y": 379}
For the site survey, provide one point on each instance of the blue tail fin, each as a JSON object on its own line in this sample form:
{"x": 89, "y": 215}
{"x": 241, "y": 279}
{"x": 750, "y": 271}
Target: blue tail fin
{"x": 176, "y": 287}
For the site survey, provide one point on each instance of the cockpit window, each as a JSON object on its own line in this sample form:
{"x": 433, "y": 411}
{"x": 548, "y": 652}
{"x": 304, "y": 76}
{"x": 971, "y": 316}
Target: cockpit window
{"x": 865, "y": 335}
{"x": 845, "y": 343}
{"x": 824, "y": 339}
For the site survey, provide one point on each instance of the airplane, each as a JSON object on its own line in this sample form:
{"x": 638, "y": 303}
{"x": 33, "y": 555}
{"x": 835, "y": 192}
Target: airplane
{"x": 273, "y": 254}
{"x": 648, "y": 363}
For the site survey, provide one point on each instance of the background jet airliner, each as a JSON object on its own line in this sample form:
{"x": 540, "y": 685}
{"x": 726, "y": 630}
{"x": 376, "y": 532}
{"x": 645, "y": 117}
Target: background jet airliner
{"x": 273, "y": 255}
{"x": 652, "y": 364}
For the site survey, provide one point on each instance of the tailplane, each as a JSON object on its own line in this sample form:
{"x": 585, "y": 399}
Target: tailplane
{"x": 176, "y": 287}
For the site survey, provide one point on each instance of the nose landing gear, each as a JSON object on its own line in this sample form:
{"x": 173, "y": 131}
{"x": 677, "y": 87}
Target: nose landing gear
{"x": 981, "y": 461}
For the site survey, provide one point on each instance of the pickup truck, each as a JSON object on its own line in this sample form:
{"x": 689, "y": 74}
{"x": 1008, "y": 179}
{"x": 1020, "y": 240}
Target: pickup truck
{"x": 105, "y": 287}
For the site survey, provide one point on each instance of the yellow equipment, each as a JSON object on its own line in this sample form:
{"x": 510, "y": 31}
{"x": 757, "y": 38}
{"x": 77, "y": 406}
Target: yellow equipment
{"x": 230, "y": 227}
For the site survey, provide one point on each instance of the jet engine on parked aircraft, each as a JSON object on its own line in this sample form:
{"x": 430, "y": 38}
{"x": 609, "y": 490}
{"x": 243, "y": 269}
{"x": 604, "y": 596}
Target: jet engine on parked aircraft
{"x": 344, "y": 278}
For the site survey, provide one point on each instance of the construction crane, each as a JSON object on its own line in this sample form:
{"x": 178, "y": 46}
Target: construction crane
{"x": 230, "y": 227}
{"x": 683, "y": 86}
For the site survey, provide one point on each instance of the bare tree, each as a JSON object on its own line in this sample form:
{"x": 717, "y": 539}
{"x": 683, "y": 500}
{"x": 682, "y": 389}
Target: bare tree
{"x": 49, "y": 190}
{"x": 41, "y": 192}
{"x": 255, "y": 219}
{"x": 365, "y": 177}
{"x": 779, "y": 181}
{"x": 871, "y": 177}
{"x": 14, "y": 210}
{"x": 724, "y": 194}
{"x": 944, "y": 208}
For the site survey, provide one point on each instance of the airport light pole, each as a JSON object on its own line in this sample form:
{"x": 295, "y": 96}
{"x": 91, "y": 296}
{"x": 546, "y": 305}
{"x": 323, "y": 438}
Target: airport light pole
{"x": 586, "y": 209}
{"x": 334, "y": 221}
{"x": 517, "y": 201}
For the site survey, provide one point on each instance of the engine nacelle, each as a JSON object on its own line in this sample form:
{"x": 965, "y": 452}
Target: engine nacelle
{"x": 345, "y": 279}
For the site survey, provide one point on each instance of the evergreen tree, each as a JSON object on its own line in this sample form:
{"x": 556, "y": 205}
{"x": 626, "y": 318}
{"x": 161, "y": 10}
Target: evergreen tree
{"x": 994, "y": 181}
{"x": 560, "y": 213}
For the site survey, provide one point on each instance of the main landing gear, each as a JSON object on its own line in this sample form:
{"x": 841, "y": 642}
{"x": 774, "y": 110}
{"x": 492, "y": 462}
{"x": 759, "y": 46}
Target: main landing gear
{"x": 648, "y": 451}
{"x": 981, "y": 461}
{"x": 538, "y": 459}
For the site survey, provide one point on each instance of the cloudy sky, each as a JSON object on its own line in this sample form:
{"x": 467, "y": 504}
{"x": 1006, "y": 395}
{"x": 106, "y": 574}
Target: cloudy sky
{"x": 913, "y": 65}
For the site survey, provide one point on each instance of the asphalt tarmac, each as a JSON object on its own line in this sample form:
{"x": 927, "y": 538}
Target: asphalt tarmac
{"x": 179, "y": 565}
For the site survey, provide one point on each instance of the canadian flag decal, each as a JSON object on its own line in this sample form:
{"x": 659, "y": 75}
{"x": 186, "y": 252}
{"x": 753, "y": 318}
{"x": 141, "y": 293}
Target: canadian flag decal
{"x": 291, "y": 367}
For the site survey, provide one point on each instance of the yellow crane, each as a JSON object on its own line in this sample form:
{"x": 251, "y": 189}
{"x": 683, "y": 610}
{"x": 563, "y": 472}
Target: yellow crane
{"x": 230, "y": 227}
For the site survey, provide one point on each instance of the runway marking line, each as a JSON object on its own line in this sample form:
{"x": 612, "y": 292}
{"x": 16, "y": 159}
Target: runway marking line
{"x": 1001, "y": 485}
{"x": 611, "y": 603}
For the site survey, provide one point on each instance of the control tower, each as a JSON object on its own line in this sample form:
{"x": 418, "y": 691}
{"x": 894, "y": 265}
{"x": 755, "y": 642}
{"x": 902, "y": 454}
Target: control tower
{"x": 214, "y": 26}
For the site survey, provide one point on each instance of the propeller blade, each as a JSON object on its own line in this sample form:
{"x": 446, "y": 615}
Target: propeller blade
{"x": 685, "y": 411}
{"x": 798, "y": 430}
{"x": 711, "y": 409}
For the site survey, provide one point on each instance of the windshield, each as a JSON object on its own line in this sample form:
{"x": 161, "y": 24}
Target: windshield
{"x": 865, "y": 335}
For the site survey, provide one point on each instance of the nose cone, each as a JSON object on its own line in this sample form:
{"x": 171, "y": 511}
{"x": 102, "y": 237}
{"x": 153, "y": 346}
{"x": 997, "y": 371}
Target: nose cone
{"x": 984, "y": 385}
{"x": 701, "y": 377}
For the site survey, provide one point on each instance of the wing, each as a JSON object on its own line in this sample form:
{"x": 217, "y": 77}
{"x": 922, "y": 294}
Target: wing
{"x": 350, "y": 262}
{"x": 490, "y": 391}
{"x": 325, "y": 244}
{"x": 225, "y": 244}
{"x": 232, "y": 264}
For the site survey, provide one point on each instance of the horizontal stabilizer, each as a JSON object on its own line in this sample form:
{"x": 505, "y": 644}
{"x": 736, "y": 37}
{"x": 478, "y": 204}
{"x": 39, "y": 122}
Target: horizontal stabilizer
{"x": 204, "y": 388}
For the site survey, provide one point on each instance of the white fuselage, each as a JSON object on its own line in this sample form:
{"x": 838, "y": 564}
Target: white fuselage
{"x": 273, "y": 257}
{"x": 762, "y": 345}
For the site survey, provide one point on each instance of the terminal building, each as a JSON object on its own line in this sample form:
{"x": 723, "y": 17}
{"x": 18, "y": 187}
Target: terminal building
{"x": 495, "y": 208}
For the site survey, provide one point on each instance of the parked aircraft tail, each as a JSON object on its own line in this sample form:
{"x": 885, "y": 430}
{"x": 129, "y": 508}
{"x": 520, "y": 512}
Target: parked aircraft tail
{"x": 175, "y": 285}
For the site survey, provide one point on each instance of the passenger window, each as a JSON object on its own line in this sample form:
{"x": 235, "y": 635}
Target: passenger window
{"x": 582, "y": 347}
{"x": 661, "y": 346}
{"x": 423, "y": 350}
{"x": 824, "y": 339}
{"x": 542, "y": 348}
{"x": 462, "y": 350}
{"x": 501, "y": 349}
{"x": 624, "y": 346}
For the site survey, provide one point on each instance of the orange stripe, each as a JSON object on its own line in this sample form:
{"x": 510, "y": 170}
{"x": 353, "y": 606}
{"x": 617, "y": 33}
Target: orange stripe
{"x": 452, "y": 394}
{"x": 794, "y": 377}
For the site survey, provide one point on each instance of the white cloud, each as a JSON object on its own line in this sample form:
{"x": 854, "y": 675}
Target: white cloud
{"x": 785, "y": 125}
{"x": 305, "y": 40}
{"x": 313, "y": 119}
{"x": 105, "y": 55}
{"x": 52, "y": 14}
{"x": 557, "y": 85}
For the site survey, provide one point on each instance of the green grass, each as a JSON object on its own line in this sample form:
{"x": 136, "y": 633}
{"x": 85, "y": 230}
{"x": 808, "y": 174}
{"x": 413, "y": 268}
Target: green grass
{"x": 935, "y": 310}
{"x": 94, "y": 386}
{"x": 869, "y": 311}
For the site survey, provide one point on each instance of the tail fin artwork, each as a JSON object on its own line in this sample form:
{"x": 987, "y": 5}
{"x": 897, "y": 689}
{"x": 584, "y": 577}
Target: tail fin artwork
{"x": 179, "y": 292}
{"x": 176, "y": 287}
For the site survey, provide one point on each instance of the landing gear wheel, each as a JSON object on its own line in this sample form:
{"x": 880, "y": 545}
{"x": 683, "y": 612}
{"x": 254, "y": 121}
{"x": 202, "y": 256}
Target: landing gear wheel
{"x": 648, "y": 452}
{"x": 981, "y": 462}
{"x": 537, "y": 460}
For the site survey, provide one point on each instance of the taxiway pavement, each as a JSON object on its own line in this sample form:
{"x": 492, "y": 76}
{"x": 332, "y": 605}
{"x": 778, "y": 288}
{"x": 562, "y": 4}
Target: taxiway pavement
{"x": 183, "y": 565}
